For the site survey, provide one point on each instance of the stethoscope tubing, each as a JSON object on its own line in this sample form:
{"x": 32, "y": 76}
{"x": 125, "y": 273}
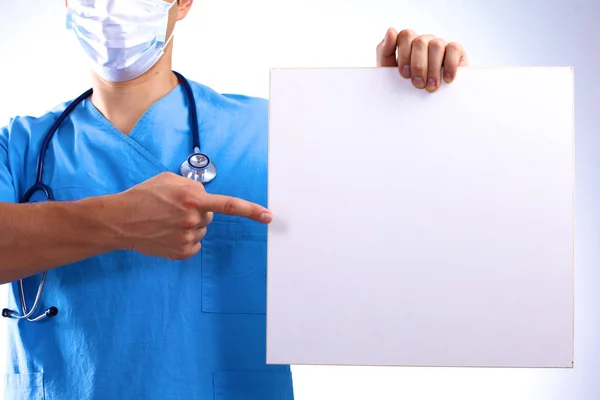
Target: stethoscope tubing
{"x": 47, "y": 190}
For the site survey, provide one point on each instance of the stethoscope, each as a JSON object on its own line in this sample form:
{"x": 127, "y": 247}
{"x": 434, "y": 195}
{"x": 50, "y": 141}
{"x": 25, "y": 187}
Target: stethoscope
{"x": 197, "y": 166}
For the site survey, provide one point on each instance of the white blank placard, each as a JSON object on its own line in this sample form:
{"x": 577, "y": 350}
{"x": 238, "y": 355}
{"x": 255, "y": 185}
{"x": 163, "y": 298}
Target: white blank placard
{"x": 421, "y": 229}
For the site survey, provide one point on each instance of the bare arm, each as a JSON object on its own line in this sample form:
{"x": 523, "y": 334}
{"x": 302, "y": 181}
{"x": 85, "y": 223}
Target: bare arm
{"x": 165, "y": 216}
{"x": 41, "y": 236}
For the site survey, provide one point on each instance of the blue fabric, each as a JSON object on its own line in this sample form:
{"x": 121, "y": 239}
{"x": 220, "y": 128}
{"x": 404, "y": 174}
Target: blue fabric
{"x": 7, "y": 190}
{"x": 137, "y": 327}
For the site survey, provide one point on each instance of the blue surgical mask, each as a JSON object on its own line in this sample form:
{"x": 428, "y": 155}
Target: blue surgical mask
{"x": 123, "y": 38}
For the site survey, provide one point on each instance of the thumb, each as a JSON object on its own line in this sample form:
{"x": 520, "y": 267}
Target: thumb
{"x": 386, "y": 51}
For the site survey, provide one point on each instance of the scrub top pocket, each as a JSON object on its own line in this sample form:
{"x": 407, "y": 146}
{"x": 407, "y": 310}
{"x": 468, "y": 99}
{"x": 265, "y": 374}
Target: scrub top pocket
{"x": 234, "y": 273}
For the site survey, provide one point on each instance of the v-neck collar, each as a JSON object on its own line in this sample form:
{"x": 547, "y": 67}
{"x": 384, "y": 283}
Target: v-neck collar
{"x": 141, "y": 123}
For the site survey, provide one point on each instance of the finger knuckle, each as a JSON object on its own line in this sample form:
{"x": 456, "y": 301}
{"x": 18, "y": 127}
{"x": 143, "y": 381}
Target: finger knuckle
{"x": 406, "y": 34}
{"x": 198, "y": 186}
{"x": 230, "y": 207}
{"x": 420, "y": 42}
{"x": 166, "y": 175}
{"x": 186, "y": 253}
{"x": 188, "y": 237}
{"x": 201, "y": 233}
{"x": 453, "y": 46}
{"x": 186, "y": 197}
{"x": 418, "y": 69}
{"x": 191, "y": 221}
{"x": 191, "y": 251}
{"x": 437, "y": 44}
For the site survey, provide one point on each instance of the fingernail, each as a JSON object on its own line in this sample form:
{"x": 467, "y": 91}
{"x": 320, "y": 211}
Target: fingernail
{"x": 406, "y": 69}
{"x": 418, "y": 81}
{"x": 447, "y": 76}
{"x": 431, "y": 85}
{"x": 266, "y": 218}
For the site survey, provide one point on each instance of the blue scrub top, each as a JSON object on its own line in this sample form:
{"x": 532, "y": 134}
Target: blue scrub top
{"x": 137, "y": 327}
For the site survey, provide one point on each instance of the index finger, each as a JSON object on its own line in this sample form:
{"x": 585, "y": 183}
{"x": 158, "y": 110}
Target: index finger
{"x": 234, "y": 206}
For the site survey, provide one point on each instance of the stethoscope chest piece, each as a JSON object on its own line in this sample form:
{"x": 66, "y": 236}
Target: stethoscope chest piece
{"x": 198, "y": 167}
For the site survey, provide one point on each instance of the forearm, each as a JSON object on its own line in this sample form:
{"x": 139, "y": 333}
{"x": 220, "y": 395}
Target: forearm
{"x": 40, "y": 236}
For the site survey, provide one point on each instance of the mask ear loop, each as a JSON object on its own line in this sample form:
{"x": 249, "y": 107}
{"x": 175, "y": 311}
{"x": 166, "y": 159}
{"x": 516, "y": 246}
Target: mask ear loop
{"x": 174, "y": 26}
{"x": 169, "y": 39}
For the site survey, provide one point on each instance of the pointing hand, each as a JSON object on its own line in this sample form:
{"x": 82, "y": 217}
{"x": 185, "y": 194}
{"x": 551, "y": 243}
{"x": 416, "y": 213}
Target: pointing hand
{"x": 168, "y": 215}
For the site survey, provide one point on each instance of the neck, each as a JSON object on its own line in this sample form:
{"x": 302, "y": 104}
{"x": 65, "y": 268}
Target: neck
{"x": 123, "y": 104}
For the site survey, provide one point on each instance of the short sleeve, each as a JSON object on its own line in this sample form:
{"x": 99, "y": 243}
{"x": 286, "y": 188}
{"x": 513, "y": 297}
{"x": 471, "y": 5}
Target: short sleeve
{"x": 7, "y": 189}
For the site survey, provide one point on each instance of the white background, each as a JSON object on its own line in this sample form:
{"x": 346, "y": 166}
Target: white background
{"x": 230, "y": 46}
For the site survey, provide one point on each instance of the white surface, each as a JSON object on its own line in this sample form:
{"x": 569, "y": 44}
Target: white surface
{"x": 342, "y": 33}
{"x": 419, "y": 229}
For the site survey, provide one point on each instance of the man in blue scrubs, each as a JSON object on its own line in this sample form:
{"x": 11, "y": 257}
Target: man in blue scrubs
{"x": 158, "y": 281}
